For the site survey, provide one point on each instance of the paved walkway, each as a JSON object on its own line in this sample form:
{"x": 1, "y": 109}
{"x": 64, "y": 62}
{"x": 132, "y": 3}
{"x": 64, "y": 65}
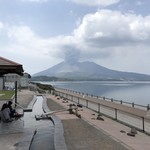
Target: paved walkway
{"x": 29, "y": 133}
{"x": 106, "y": 135}
{"x": 87, "y": 133}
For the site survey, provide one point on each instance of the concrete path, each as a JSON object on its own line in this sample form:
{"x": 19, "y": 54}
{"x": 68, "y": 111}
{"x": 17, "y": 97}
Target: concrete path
{"x": 38, "y": 134}
{"x": 11, "y": 133}
{"x": 28, "y": 133}
{"x": 109, "y": 129}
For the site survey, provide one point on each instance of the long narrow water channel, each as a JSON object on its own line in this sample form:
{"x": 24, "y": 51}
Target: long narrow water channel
{"x": 44, "y": 137}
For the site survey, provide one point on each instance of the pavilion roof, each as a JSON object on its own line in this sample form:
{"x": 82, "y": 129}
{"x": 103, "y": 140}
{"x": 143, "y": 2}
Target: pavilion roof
{"x": 8, "y": 66}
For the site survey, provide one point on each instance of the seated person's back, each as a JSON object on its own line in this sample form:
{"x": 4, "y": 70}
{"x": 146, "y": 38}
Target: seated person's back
{"x": 5, "y": 113}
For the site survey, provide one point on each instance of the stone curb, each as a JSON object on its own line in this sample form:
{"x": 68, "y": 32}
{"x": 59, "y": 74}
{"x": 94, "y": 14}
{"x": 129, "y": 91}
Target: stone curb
{"x": 26, "y": 141}
{"x": 59, "y": 141}
{"x": 30, "y": 106}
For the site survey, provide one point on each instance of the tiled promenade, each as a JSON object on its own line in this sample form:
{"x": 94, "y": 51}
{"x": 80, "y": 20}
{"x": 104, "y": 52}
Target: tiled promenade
{"x": 96, "y": 135}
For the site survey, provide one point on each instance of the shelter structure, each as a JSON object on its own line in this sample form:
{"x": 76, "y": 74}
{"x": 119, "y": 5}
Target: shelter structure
{"x": 8, "y": 66}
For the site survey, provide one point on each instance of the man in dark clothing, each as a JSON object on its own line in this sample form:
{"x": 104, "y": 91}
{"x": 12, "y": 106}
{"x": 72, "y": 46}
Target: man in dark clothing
{"x": 12, "y": 111}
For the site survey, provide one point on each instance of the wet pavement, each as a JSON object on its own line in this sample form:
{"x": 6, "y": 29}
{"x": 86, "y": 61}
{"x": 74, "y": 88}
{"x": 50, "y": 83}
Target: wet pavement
{"x": 43, "y": 139}
{"x": 38, "y": 134}
{"x": 29, "y": 133}
{"x": 11, "y": 133}
{"x": 12, "y": 127}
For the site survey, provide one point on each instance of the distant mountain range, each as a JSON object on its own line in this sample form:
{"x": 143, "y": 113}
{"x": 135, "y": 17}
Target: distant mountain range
{"x": 88, "y": 71}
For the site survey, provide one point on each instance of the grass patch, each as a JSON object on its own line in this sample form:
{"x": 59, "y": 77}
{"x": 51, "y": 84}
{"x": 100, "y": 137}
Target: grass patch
{"x": 6, "y": 94}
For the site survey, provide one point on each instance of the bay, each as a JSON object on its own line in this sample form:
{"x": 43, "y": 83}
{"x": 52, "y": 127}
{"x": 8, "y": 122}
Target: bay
{"x": 128, "y": 91}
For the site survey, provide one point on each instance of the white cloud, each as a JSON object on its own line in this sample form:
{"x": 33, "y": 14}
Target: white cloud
{"x": 25, "y": 41}
{"x": 21, "y": 44}
{"x": 139, "y": 3}
{"x": 110, "y": 38}
{"x": 107, "y": 28}
{"x": 96, "y": 2}
{"x": 1, "y": 25}
{"x": 34, "y": 0}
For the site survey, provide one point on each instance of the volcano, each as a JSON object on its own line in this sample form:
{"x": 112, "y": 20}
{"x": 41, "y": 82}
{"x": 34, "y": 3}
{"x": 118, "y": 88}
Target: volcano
{"x": 89, "y": 71}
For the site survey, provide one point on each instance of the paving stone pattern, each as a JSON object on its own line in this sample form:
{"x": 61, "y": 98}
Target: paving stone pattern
{"x": 79, "y": 135}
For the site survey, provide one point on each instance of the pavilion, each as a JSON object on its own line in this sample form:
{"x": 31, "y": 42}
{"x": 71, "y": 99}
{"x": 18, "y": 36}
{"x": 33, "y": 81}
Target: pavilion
{"x": 8, "y": 66}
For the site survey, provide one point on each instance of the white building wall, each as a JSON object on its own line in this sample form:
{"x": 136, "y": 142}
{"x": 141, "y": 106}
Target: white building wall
{"x": 1, "y": 83}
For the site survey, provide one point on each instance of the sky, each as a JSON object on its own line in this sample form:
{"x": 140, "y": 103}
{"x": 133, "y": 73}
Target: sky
{"x": 42, "y": 33}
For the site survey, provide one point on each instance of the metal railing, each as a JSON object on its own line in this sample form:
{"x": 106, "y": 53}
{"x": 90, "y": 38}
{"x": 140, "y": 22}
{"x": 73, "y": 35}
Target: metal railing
{"x": 131, "y": 104}
{"x": 130, "y": 115}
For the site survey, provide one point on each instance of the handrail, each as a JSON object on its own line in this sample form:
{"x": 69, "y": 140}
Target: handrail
{"x": 24, "y": 109}
{"x": 117, "y": 108}
{"x": 131, "y": 104}
{"x": 17, "y": 105}
{"x": 52, "y": 112}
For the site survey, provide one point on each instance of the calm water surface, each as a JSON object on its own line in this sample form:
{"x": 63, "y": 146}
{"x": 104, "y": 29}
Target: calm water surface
{"x": 137, "y": 92}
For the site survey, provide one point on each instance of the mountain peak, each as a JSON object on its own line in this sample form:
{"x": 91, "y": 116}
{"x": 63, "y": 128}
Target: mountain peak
{"x": 88, "y": 71}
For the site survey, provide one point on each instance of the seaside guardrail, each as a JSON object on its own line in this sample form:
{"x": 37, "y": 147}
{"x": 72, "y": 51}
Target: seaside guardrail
{"x": 131, "y": 114}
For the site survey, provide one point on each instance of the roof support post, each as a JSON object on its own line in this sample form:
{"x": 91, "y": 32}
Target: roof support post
{"x": 15, "y": 93}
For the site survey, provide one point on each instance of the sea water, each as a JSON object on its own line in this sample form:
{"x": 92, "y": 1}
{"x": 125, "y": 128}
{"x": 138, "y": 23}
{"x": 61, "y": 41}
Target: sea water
{"x": 128, "y": 91}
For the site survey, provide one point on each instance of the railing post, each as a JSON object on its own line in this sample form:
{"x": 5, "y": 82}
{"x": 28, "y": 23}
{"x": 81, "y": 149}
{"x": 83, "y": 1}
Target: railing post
{"x": 132, "y": 104}
{"x": 70, "y": 109}
{"x": 116, "y": 114}
{"x": 143, "y": 124}
{"x": 78, "y": 100}
{"x": 87, "y": 103}
{"x": 99, "y": 109}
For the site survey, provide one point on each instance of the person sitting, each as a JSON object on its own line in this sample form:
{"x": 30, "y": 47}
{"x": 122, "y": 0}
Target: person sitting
{"x": 12, "y": 111}
{"x": 5, "y": 113}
